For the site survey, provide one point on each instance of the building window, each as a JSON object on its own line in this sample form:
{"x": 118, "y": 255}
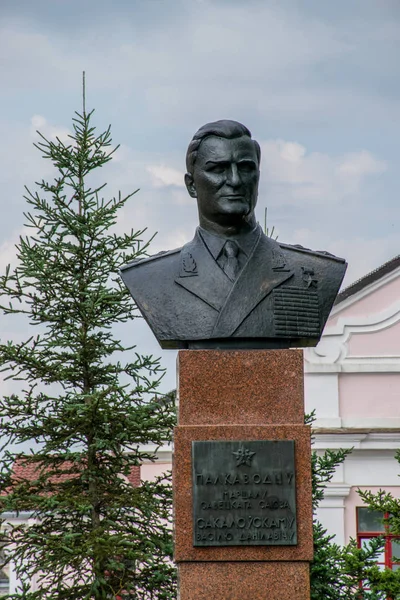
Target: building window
{"x": 4, "y": 576}
{"x": 369, "y": 525}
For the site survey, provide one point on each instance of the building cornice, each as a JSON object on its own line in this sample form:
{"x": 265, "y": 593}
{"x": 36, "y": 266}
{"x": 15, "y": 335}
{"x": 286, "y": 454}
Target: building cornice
{"x": 331, "y": 355}
{"x": 357, "y": 439}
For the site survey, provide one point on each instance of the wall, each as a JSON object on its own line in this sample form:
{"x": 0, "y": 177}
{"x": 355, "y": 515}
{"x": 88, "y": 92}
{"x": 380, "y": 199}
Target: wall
{"x": 352, "y": 380}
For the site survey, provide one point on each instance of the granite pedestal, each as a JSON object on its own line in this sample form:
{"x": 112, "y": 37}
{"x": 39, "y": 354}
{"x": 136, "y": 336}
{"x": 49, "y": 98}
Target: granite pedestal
{"x": 238, "y": 398}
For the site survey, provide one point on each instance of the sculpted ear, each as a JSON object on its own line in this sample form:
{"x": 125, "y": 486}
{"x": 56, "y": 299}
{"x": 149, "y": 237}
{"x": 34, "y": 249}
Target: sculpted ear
{"x": 190, "y": 185}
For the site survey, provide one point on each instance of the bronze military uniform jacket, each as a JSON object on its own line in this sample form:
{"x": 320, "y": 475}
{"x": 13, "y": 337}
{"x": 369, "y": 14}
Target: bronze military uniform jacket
{"x": 281, "y": 298}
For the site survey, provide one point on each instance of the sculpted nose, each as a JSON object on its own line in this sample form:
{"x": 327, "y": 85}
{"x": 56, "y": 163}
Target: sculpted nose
{"x": 233, "y": 176}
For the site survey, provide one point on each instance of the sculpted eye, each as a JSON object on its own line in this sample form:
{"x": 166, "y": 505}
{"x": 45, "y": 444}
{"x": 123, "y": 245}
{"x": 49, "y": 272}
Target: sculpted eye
{"x": 247, "y": 167}
{"x": 217, "y": 168}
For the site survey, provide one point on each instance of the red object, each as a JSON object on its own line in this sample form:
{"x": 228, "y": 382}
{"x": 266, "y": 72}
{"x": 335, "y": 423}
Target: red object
{"x": 24, "y": 470}
{"x": 387, "y": 550}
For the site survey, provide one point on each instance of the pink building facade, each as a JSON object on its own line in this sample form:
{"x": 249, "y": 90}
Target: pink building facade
{"x": 352, "y": 380}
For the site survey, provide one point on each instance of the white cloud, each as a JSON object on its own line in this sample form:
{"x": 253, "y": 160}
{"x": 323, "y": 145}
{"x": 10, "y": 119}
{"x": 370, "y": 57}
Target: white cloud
{"x": 50, "y": 132}
{"x": 292, "y": 152}
{"x": 314, "y": 177}
{"x": 8, "y": 250}
{"x": 166, "y": 176}
{"x": 177, "y": 238}
{"x": 258, "y": 54}
{"x": 38, "y": 121}
{"x": 360, "y": 164}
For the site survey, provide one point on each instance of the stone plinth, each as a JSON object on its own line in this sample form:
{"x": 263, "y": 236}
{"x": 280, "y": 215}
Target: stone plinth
{"x": 241, "y": 396}
{"x": 244, "y": 580}
{"x": 254, "y": 387}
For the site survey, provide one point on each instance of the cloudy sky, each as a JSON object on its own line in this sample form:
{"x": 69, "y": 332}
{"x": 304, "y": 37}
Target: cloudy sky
{"x": 316, "y": 82}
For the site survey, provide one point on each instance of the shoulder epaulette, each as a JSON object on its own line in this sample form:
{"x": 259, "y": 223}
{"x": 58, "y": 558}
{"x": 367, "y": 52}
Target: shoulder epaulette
{"x": 298, "y": 248}
{"x": 147, "y": 259}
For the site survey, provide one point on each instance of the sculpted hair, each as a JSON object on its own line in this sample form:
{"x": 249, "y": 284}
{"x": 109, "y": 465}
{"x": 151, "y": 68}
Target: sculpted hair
{"x": 223, "y": 129}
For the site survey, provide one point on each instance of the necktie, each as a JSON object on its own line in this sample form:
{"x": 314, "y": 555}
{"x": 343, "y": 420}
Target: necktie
{"x": 231, "y": 267}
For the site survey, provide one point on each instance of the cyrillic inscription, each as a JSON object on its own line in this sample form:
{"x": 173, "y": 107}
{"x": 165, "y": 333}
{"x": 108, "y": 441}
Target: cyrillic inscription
{"x": 244, "y": 493}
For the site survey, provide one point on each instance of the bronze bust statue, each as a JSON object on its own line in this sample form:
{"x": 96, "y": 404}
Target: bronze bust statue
{"x": 232, "y": 286}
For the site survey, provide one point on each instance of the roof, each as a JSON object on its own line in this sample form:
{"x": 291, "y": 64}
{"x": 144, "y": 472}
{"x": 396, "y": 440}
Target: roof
{"x": 28, "y": 471}
{"x": 371, "y": 277}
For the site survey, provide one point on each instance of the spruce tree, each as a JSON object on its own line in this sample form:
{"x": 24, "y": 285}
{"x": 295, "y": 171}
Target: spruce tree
{"x": 87, "y": 404}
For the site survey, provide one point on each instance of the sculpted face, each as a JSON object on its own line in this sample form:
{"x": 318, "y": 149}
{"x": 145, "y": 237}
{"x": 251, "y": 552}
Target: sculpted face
{"x": 225, "y": 180}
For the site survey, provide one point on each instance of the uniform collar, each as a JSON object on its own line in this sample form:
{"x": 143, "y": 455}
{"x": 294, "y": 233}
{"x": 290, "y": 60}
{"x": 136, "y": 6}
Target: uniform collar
{"x": 215, "y": 243}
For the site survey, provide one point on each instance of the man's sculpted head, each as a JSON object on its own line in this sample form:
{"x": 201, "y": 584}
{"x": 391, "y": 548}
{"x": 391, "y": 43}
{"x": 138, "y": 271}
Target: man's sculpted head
{"x": 223, "y": 173}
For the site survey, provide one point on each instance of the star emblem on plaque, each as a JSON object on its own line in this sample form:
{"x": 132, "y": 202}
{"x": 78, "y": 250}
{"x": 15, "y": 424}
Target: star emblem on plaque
{"x": 243, "y": 456}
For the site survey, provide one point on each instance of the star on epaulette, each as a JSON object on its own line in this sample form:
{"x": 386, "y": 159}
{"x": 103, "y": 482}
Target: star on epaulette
{"x": 308, "y": 277}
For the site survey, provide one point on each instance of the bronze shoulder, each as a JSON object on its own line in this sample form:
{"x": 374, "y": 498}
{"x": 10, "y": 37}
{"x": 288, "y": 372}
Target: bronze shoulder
{"x": 149, "y": 259}
{"x": 297, "y": 248}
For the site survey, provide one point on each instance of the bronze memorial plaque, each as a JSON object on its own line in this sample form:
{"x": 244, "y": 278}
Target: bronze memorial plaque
{"x": 244, "y": 493}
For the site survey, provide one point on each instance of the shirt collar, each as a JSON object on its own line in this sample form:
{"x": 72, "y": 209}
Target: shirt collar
{"x": 215, "y": 243}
